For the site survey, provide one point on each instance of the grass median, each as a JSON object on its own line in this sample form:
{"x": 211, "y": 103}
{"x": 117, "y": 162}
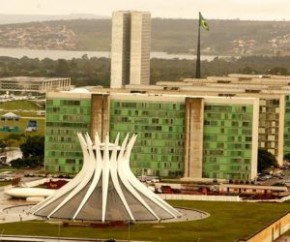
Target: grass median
{"x": 227, "y": 222}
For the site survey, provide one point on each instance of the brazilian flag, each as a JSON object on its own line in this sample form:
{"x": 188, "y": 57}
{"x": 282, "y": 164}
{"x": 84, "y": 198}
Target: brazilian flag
{"x": 203, "y": 23}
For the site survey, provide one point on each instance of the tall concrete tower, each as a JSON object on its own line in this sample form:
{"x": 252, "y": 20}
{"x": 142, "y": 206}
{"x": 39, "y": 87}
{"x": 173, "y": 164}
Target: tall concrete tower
{"x": 130, "y": 52}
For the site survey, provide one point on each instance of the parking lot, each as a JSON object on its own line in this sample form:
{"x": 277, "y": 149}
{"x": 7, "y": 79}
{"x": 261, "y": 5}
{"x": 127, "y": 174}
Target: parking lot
{"x": 275, "y": 179}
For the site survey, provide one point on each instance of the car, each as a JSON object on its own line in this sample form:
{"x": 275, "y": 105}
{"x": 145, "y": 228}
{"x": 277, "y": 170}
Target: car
{"x": 29, "y": 174}
{"x": 6, "y": 178}
{"x": 261, "y": 179}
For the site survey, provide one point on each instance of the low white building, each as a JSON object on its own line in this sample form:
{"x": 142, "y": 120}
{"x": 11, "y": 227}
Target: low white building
{"x": 34, "y": 84}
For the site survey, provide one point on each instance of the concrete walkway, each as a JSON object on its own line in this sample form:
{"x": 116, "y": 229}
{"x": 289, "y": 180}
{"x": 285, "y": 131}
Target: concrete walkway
{"x": 16, "y": 213}
{"x": 20, "y": 212}
{"x": 13, "y": 210}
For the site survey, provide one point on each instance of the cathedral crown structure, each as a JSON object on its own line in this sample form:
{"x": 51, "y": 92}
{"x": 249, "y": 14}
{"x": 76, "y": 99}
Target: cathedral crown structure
{"x": 105, "y": 189}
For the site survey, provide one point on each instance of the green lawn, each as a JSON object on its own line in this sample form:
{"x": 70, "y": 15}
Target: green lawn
{"x": 20, "y": 105}
{"x": 26, "y": 110}
{"x": 4, "y": 183}
{"x": 228, "y": 222}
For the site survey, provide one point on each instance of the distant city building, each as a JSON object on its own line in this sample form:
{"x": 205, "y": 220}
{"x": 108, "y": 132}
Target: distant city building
{"x": 130, "y": 50}
{"x": 34, "y": 84}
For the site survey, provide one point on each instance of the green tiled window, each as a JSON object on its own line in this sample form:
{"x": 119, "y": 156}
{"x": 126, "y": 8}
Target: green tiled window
{"x": 160, "y": 127}
{"x": 287, "y": 126}
{"x": 227, "y": 141}
{"x": 64, "y": 119}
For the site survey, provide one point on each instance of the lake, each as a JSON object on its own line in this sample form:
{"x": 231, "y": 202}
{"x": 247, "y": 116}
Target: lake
{"x": 68, "y": 55}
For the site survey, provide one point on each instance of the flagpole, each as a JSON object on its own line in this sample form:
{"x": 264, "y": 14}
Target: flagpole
{"x": 197, "y": 69}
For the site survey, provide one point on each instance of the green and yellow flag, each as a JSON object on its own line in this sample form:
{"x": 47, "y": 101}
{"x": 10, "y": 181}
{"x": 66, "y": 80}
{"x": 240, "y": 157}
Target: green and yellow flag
{"x": 203, "y": 22}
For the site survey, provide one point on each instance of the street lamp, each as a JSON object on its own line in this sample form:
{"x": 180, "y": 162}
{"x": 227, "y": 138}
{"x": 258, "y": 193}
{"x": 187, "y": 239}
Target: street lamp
{"x": 58, "y": 233}
{"x": 129, "y": 230}
{"x": 2, "y": 234}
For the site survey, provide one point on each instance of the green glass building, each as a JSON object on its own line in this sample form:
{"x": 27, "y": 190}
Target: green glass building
{"x": 287, "y": 126}
{"x": 227, "y": 141}
{"x": 178, "y": 135}
{"x": 66, "y": 115}
{"x": 160, "y": 127}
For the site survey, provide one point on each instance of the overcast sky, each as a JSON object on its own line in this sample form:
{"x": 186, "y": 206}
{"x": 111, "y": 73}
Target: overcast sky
{"x": 211, "y": 9}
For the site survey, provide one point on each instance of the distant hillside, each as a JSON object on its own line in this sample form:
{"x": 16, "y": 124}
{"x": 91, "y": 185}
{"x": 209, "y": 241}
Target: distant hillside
{"x": 25, "y": 18}
{"x": 226, "y": 37}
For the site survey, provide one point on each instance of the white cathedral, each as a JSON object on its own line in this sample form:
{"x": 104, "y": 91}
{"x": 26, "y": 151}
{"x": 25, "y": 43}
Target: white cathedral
{"x": 105, "y": 189}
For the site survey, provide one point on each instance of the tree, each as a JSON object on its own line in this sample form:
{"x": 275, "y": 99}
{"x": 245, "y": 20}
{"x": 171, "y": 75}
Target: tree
{"x": 278, "y": 71}
{"x": 248, "y": 70}
{"x": 2, "y": 145}
{"x": 266, "y": 160}
{"x": 33, "y": 153}
{"x": 62, "y": 68}
{"x": 34, "y": 146}
{"x": 287, "y": 157}
{"x": 17, "y": 163}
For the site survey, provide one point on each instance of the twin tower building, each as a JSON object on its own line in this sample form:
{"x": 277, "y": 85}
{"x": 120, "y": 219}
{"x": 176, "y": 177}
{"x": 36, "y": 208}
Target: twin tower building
{"x": 130, "y": 50}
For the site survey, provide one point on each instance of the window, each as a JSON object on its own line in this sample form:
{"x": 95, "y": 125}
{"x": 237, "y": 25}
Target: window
{"x": 71, "y": 102}
{"x": 70, "y": 161}
{"x": 248, "y": 139}
{"x": 155, "y": 120}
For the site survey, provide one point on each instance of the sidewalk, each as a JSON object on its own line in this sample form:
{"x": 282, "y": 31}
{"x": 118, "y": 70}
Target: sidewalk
{"x": 13, "y": 210}
{"x": 16, "y": 213}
